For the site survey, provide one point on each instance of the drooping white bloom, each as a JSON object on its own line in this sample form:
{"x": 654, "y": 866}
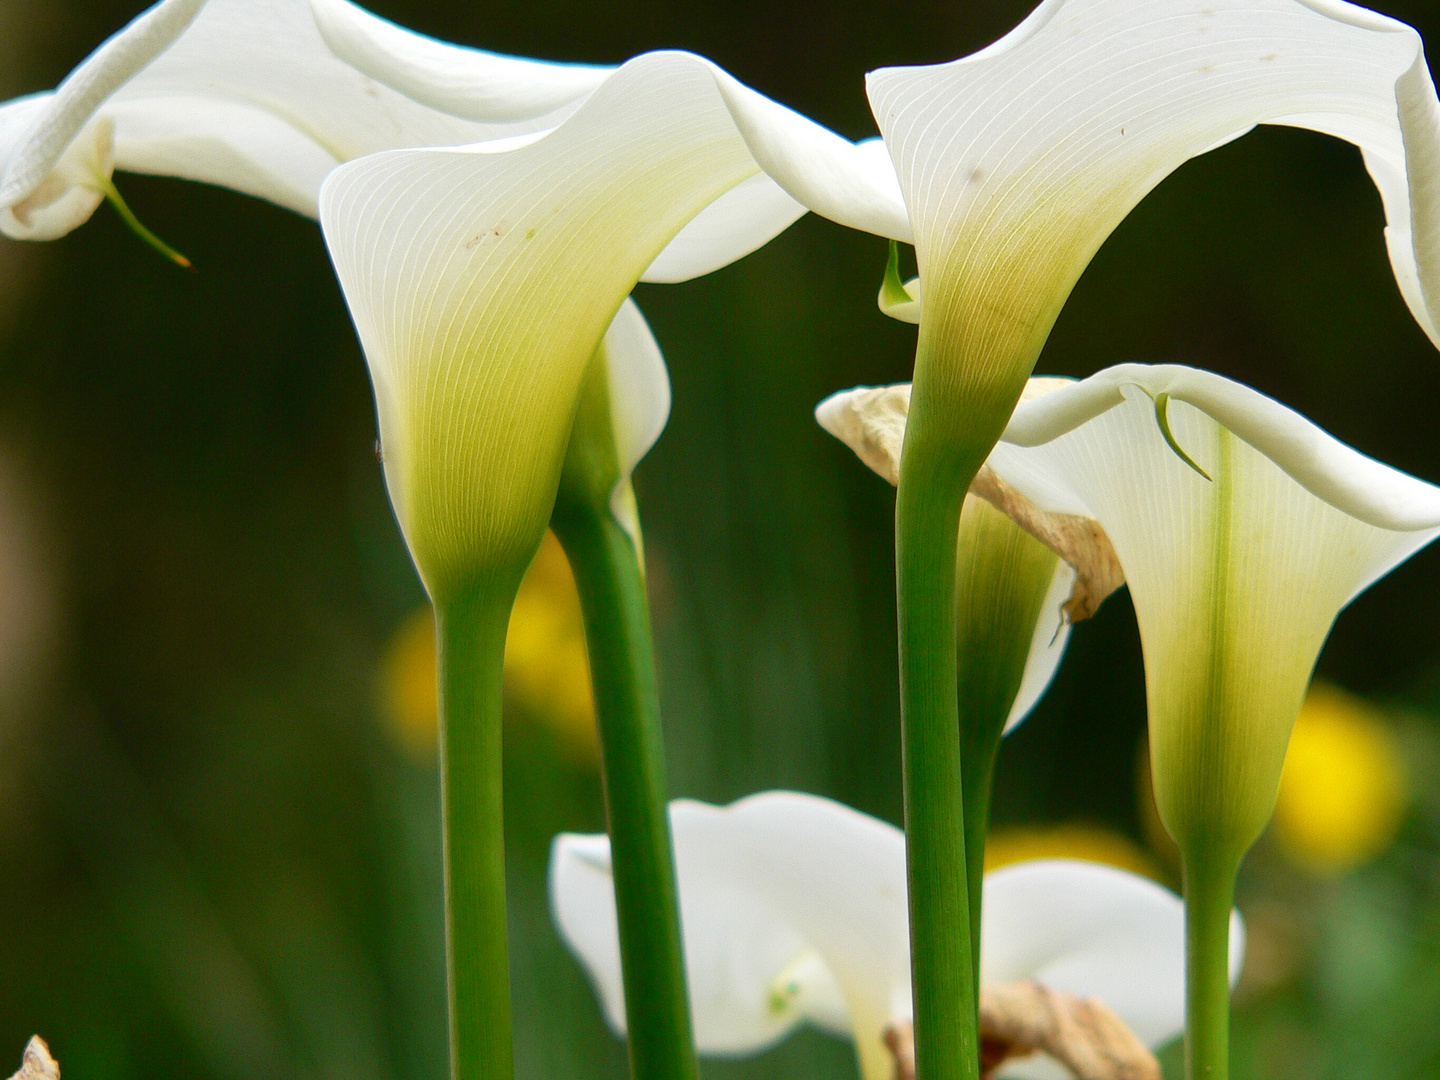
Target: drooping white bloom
{"x": 1238, "y": 564}
{"x": 794, "y": 910}
{"x": 481, "y": 279}
{"x": 1018, "y": 161}
{"x": 245, "y": 94}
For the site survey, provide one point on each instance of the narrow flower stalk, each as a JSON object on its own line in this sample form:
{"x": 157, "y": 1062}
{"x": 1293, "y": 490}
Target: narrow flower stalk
{"x": 605, "y": 554}
{"x": 470, "y": 624}
{"x": 1024, "y": 577}
{"x": 1209, "y": 886}
{"x": 927, "y": 516}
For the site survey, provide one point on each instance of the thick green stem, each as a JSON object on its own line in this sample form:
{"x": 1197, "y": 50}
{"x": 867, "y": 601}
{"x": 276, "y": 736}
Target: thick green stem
{"x": 1209, "y": 897}
{"x": 471, "y": 637}
{"x": 627, "y": 705}
{"x": 927, "y": 517}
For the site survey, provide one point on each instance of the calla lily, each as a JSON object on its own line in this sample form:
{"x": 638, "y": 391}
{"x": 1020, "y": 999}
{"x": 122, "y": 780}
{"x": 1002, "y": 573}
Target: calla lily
{"x": 1016, "y": 163}
{"x": 853, "y": 184}
{"x": 1243, "y": 530}
{"x": 794, "y": 910}
{"x": 267, "y": 96}
{"x": 481, "y": 279}
{"x": 245, "y": 94}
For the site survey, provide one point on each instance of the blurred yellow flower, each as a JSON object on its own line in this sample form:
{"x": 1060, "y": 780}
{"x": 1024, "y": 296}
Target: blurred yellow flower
{"x": 547, "y": 674}
{"x": 1343, "y": 790}
{"x": 409, "y": 696}
{"x": 1090, "y": 843}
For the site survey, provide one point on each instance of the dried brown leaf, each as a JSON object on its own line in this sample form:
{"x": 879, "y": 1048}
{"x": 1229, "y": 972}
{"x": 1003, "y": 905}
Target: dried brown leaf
{"x": 1023, "y": 1018}
{"x": 37, "y": 1064}
{"x": 871, "y": 421}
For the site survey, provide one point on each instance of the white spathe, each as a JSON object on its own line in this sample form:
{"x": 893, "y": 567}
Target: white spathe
{"x": 851, "y": 183}
{"x": 481, "y": 279}
{"x": 639, "y": 395}
{"x": 1236, "y": 579}
{"x": 1047, "y": 646}
{"x": 1019, "y": 160}
{"x": 246, "y": 94}
{"x": 267, "y": 96}
{"x": 794, "y": 910}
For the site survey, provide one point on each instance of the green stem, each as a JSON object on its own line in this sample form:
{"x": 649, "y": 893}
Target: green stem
{"x": 927, "y": 517}
{"x": 1209, "y": 897}
{"x": 627, "y": 705}
{"x": 471, "y": 639}
{"x": 1002, "y": 576}
{"x": 977, "y": 776}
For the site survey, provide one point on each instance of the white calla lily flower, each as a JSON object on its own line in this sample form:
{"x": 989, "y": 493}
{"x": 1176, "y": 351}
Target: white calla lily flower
{"x": 481, "y": 279}
{"x": 1016, "y": 163}
{"x": 1019, "y": 160}
{"x": 794, "y": 910}
{"x": 247, "y": 94}
{"x": 1238, "y": 559}
{"x": 852, "y": 184}
{"x": 1243, "y": 530}
{"x": 267, "y": 96}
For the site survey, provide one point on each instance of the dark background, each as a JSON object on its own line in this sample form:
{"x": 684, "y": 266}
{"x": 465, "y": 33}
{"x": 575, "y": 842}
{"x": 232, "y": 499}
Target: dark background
{"x": 216, "y": 862}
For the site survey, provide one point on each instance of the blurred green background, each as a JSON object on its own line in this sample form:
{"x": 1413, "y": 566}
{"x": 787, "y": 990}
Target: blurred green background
{"x": 220, "y": 858}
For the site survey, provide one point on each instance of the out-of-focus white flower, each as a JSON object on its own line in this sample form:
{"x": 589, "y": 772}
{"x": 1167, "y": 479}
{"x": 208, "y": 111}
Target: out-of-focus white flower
{"x": 794, "y": 910}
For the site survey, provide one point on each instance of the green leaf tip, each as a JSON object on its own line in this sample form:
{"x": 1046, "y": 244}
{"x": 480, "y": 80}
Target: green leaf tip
{"x": 115, "y": 199}
{"x": 892, "y": 289}
{"x": 1162, "y": 417}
